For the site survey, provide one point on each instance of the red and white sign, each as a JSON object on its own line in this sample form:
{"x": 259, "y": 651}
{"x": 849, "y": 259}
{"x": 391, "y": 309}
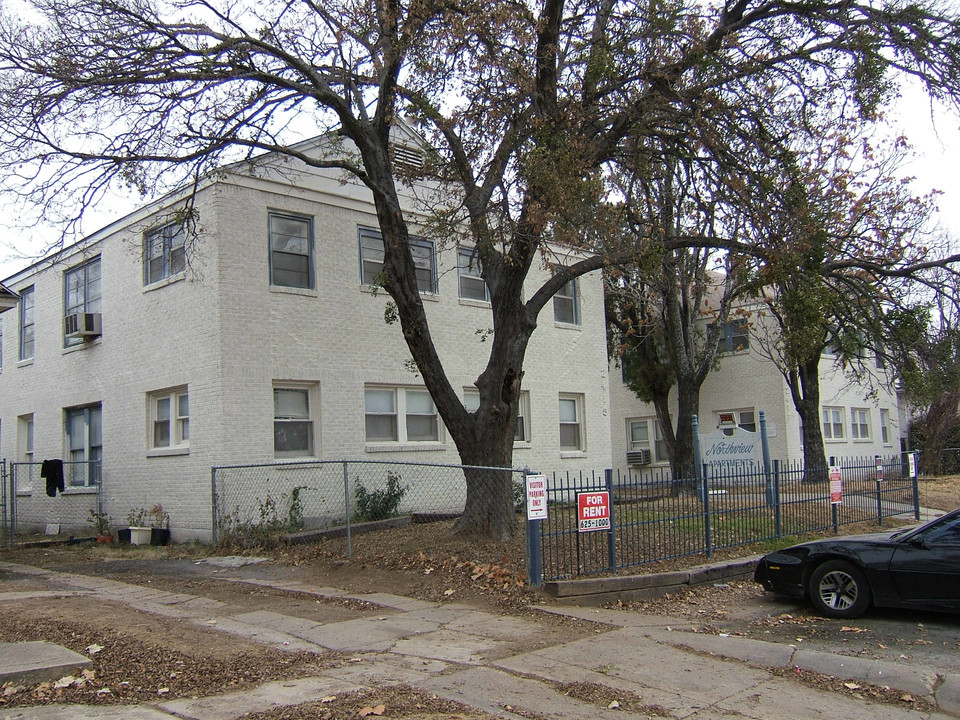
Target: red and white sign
{"x": 536, "y": 497}
{"x": 879, "y": 461}
{"x": 836, "y": 486}
{"x": 593, "y": 511}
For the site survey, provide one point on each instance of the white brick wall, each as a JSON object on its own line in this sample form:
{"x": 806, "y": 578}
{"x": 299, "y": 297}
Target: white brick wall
{"x": 228, "y": 336}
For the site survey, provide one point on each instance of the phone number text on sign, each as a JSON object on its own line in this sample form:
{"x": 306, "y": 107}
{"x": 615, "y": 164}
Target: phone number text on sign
{"x": 593, "y": 511}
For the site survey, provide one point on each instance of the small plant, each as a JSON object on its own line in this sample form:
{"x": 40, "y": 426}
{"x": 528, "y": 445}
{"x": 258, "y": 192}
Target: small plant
{"x": 295, "y": 514}
{"x": 137, "y": 517}
{"x": 159, "y": 518}
{"x": 101, "y": 521}
{"x": 379, "y": 504}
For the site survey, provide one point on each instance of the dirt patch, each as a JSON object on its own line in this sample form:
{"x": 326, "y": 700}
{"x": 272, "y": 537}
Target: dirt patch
{"x": 941, "y": 493}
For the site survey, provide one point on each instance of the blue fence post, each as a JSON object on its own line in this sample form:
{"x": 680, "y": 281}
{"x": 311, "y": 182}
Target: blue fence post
{"x": 612, "y": 532}
{"x": 777, "y": 521}
{"x": 534, "y": 562}
{"x": 707, "y": 529}
{"x": 765, "y": 447}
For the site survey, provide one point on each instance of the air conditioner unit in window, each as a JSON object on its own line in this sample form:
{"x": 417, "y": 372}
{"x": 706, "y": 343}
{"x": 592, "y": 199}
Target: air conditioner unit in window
{"x": 638, "y": 457}
{"x": 82, "y": 325}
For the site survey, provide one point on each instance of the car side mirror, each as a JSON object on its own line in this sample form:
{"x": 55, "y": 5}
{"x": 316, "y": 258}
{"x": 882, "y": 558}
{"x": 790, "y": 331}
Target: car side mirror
{"x": 918, "y": 542}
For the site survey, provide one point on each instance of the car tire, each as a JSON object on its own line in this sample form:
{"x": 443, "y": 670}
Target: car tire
{"x": 839, "y": 589}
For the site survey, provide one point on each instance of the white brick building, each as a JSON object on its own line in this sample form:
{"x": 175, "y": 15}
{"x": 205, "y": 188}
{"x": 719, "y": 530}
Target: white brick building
{"x": 262, "y": 341}
{"x": 855, "y": 421}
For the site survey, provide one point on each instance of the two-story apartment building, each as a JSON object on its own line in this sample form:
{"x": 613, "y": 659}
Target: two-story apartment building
{"x": 263, "y": 339}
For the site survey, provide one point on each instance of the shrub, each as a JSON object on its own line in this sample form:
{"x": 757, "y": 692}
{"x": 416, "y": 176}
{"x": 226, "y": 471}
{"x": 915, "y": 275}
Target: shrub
{"x": 379, "y": 504}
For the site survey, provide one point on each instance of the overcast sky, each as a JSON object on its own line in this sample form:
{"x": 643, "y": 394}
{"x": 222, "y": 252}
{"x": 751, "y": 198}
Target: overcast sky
{"x": 937, "y": 166}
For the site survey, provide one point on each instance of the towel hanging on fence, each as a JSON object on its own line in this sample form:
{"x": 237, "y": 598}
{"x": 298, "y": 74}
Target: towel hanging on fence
{"x": 52, "y": 470}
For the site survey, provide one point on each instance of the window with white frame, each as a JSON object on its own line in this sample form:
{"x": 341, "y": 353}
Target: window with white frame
{"x": 84, "y": 440}
{"x": 27, "y": 320}
{"x": 832, "y": 423}
{"x": 472, "y": 286}
{"x": 646, "y": 434}
{"x": 170, "y": 419}
{"x": 471, "y": 401}
{"x": 859, "y": 423}
{"x": 885, "y": 426}
{"x": 293, "y": 423}
{"x": 164, "y": 252}
{"x": 566, "y": 306}
{"x": 25, "y": 438}
{"x": 371, "y": 260}
{"x": 571, "y": 422}
{"x": 81, "y": 292}
{"x": 400, "y": 415}
{"x": 746, "y": 418}
{"x": 291, "y": 250}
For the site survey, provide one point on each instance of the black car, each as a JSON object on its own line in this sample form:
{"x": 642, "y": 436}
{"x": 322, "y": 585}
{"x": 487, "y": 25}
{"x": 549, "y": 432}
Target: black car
{"x": 910, "y": 568}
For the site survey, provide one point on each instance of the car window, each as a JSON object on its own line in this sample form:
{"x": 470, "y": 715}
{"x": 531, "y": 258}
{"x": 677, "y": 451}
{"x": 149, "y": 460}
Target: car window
{"x": 946, "y": 533}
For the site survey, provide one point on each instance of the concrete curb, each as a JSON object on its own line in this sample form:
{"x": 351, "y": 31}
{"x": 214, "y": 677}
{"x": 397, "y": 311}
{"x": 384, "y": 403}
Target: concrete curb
{"x": 601, "y": 591}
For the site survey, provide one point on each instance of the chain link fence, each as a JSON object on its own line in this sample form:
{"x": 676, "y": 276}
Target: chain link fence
{"x": 256, "y": 500}
{"x": 29, "y": 509}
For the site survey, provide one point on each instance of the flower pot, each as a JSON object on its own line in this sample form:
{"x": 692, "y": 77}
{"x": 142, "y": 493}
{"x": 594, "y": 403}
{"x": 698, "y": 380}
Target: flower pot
{"x": 140, "y": 535}
{"x": 104, "y": 538}
{"x": 159, "y": 536}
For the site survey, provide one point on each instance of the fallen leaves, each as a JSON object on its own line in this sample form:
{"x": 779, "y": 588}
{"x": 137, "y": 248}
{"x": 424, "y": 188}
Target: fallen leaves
{"x": 376, "y": 710}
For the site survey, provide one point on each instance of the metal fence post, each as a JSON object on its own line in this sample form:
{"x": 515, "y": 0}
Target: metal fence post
{"x": 777, "y": 520}
{"x": 213, "y": 503}
{"x": 346, "y": 508}
{"x": 765, "y": 447}
{"x": 13, "y": 504}
{"x": 612, "y": 532}
{"x": 707, "y": 530}
{"x": 534, "y": 559}
{"x": 701, "y": 476}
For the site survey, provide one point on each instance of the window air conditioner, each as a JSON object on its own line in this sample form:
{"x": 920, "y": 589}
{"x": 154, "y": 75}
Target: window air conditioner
{"x": 638, "y": 457}
{"x": 82, "y": 325}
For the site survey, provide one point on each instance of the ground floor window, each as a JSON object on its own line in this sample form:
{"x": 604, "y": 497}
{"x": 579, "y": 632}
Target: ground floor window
{"x": 170, "y": 419}
{"x": 293, "y": 422}
{"x": 571, "y": 422}
{"x": 400, "y": 415}
{"x": 84, "y": 440}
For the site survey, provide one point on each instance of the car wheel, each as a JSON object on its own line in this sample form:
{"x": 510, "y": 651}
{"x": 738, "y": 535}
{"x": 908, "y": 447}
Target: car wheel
{"x": 839, "y": 589}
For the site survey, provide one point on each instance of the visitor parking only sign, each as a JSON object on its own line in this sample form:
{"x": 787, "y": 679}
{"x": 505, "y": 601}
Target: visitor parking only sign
{"x": 593, "y": 511}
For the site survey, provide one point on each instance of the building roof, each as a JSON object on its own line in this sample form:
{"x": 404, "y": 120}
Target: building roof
{"x": 8, "y": 298}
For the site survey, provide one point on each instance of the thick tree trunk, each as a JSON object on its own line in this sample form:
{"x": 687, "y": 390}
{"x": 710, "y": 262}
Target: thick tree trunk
{"x": 688, "y": 405}
{"x": 805, "y": 390}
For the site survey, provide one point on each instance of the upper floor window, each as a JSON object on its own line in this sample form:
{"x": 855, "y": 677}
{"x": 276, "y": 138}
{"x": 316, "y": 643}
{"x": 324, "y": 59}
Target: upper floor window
{"x": 164, "y": 253}
{"x": 735, "y": 336}
{"x": 566, "y": 305}
{"x": 472, "y": 286}
{"x": 27, "y": 320}
{"x": 81, "y": 292}
{"x": 84, "y": 437}
{"x": 25, "y": 437}
{"x": 170, "y": 419}
{"x": 291, "y": 251}
{"x": 371, "y": 260}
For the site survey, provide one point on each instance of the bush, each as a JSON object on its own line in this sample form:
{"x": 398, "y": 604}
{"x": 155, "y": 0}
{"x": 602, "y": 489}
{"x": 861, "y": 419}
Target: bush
{"x": 379, "y": 504}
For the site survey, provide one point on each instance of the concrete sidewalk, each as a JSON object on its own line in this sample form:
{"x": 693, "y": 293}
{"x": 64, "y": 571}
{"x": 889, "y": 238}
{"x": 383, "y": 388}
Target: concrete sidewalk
{"x": 458, "y": 652}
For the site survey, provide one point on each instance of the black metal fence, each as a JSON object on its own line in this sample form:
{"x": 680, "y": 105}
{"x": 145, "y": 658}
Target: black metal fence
{"x": 654, "y": 517}
{"x": 29, "y": 509}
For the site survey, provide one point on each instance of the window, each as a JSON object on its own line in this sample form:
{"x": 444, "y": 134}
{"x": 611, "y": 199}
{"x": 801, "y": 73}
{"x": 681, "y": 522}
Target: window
{"x": 400, "y": 415}
{"x": 170, "y": 419}
{"x": 565, "y": 304}
{"x": 571, "y": 422}
{"x": 293, "y": 433}
{"x": 371, "y": 260}
{"x": 648, "y": 435}
{"x": 25, "y": 438}
{"x": 471, "y": 401}
{"x": 27, "y": 300}
{"x": 885, "y": 426}
{"x": 832, "y": 423}
{"x": 859, "y": 424}
{"x": 291, "y": 251}
{"x": 164, "y": 253}
{"x": 735, "y": 336}
{"x": 81, "y": 293}
{"x": 746, "y": 419}
{"x": 84, "y": 439}
{"x": 472, "y": 286}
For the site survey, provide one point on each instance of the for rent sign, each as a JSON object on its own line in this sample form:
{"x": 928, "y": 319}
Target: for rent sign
{"x": 593, "y": 511}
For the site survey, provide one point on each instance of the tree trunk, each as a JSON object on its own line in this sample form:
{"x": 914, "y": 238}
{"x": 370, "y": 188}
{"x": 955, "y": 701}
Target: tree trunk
{"x": 804, "y": 385}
